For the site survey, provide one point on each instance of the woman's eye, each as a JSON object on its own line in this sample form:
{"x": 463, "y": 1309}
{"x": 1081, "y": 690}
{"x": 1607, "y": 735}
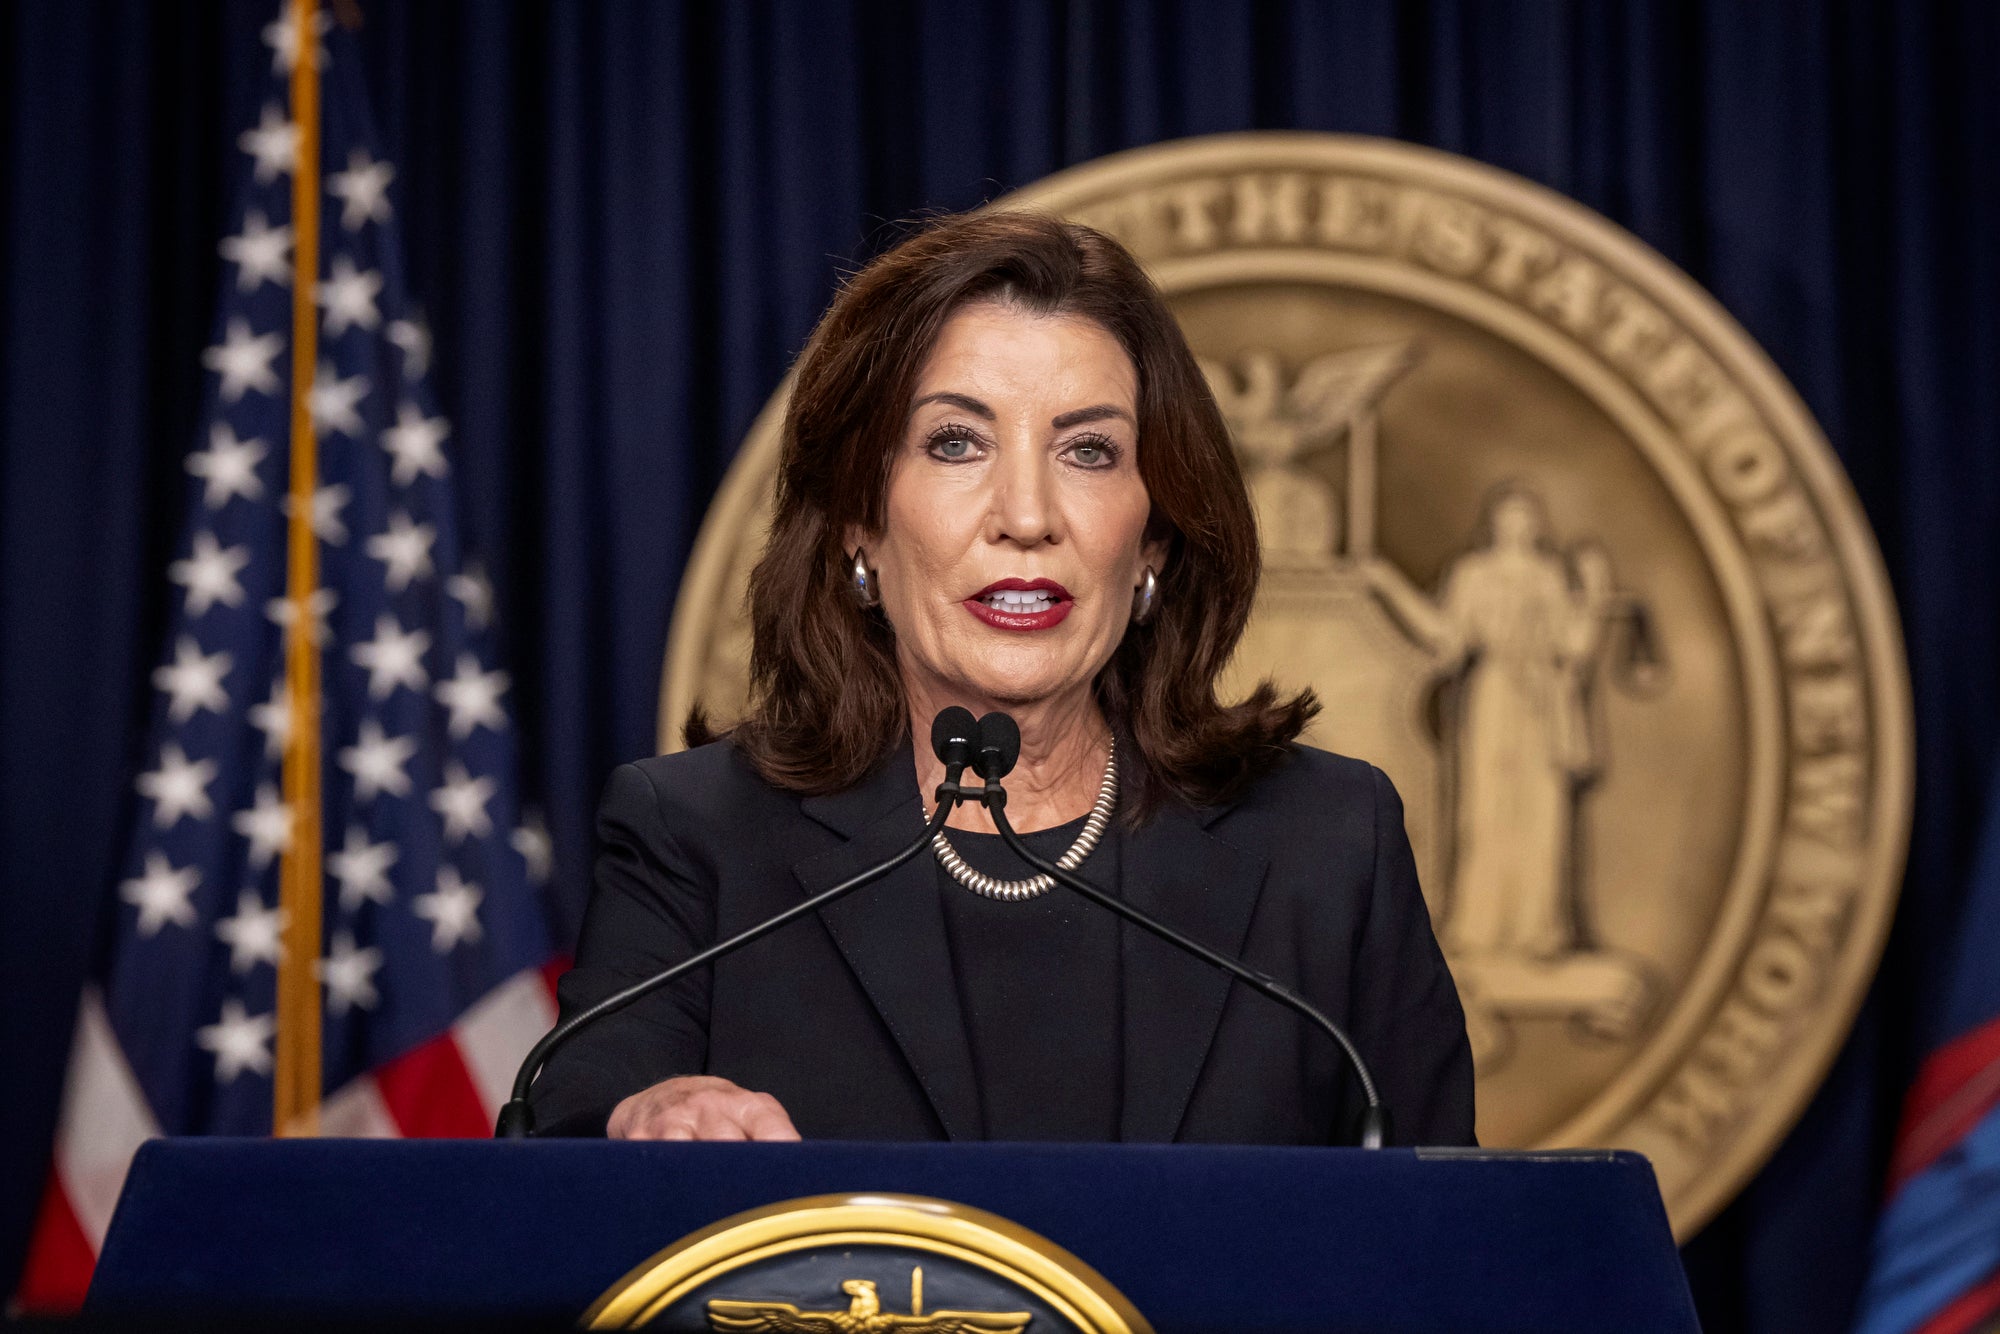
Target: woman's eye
{"x": 1093, "y": 453}
{"x": 951, "y": 447}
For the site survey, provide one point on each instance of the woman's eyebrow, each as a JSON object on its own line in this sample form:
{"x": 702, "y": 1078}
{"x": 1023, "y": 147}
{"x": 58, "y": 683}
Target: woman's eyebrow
{"x": 965, "y": 401}
{"x": 1095, "y": 413}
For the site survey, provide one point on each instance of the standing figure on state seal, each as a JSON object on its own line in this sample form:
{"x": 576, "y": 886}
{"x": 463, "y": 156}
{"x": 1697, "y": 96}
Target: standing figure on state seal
{"x": 1529, "y": 626}
{"x": 1518, "y": 627}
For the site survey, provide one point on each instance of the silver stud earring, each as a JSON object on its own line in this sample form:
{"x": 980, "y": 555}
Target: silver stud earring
{"x": 867, "y": 584}
{"x": 1146, "y": 598}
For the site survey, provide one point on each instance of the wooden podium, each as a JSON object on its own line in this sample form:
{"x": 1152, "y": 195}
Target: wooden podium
{"x": 1188, "y": 1237}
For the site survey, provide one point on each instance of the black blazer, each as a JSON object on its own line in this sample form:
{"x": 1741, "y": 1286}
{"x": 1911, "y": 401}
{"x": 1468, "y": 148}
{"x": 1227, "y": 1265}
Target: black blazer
{"x": 852, "y": 1020}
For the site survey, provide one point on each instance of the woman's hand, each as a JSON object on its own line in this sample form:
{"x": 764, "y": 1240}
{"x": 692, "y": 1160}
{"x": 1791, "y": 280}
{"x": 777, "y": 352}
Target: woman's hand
{"x": 699, "y": 1107}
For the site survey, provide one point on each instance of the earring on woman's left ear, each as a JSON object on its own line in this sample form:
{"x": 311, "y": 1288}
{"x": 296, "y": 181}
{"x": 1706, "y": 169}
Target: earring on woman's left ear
{"x": 1145, "y": 598}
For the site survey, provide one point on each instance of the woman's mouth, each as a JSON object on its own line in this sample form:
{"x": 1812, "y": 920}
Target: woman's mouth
{"x": 1021, "y": 604}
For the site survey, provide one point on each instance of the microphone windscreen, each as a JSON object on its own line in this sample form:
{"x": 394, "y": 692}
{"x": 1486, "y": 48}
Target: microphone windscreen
{"x": 954, "y": 735}
{"x": 999, "y": 745}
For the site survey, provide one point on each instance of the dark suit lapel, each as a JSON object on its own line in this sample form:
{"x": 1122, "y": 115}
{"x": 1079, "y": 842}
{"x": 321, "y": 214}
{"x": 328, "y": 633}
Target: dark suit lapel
{"x": 893, "y": 934}
{"x": 1205, "y": 888}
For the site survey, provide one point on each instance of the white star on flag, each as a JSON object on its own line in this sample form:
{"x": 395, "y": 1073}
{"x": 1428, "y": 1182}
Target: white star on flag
{"x": 282, "y": 36}
{"x": 453, "y": 911}
{"x": 256, "y": 934}
{"x": 348, "y": 295}
{"x": 327, "y": 503}
{"x": 243, "y": 360}
{"x": 332, "y": 401}
{"x": 362, "y": 868}
{"x": 392, "y": 658}
{"x": 462, "y": 802}
{"x": 416, "y": 444}
{"x": 376, "y": 762}
{"x": 319, "y": 605}
{"x": 179, "y": 787}
{"x": 274, "y": 143}
{"x": 238, "y": 1041}
{"x": 228, "y": 467}
{"x": 194, "y": 681}
{"x": 414, "y": 337}
{"x": 209, "y": 574}
{"x": 161, "y": 894}
{"x": 532, "y": 841}
{"x": 349, "y": 975}
{"x": 268, "y": 826}
{"x": 406, "y": 549}
{"x": 473, "y": 697}
{"x": 363, "y": 190}
{"x": 261, "y": 253}
{"x": 475, "y": 593}
{"x": 274, "y": 719}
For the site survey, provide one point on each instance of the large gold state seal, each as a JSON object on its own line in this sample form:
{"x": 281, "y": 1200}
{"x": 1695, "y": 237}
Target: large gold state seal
{"x": 1561, "y": 552}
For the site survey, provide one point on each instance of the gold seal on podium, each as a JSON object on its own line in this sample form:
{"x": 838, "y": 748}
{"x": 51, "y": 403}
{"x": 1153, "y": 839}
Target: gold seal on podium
{"x": 1563, "y": 553}
{"x": 773, "y": 1268}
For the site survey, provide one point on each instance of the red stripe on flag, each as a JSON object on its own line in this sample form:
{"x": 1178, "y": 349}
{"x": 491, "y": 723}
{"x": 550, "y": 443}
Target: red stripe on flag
{"x": 1958, "y": 1085}
{"x": 553, "y": 970}
{"x": 60, "y": 1259}
{"x": 431, "y": 1095}
{"x": 1967, "y": 1312}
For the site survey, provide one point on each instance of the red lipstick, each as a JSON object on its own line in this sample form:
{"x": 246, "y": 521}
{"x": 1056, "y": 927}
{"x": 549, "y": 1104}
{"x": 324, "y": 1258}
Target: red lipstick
{"x": 1021, "y": 604}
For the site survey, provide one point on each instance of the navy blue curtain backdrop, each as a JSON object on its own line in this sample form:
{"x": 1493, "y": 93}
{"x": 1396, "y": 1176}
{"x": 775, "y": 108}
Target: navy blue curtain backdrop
{"x": 624, "y": 219}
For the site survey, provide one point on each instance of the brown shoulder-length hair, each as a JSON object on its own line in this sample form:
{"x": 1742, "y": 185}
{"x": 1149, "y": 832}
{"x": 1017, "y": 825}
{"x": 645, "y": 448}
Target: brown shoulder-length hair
{"x": 826, "y": 703}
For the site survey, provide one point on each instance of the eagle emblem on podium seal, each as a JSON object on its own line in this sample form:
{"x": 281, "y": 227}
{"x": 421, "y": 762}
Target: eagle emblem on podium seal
{"x": 864, "y": 1315}
{"x": 1561, "y": 551}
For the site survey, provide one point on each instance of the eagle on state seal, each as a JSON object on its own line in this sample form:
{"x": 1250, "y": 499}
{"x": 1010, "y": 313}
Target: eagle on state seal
{"x": 864, "y": 1315}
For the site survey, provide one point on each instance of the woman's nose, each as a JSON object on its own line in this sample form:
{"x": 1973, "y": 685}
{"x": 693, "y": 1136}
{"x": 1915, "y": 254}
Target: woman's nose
{"x": 1024, "y": 509}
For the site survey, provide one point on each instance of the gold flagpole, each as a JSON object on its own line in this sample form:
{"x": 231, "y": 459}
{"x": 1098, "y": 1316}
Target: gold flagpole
{"x": 295, "y": 1108}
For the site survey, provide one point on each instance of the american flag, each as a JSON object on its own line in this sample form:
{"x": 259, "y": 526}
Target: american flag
{"x": 437, "y": 965}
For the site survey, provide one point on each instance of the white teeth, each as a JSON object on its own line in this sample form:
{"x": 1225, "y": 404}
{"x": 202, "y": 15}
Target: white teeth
{"x": 1020, "y": 601}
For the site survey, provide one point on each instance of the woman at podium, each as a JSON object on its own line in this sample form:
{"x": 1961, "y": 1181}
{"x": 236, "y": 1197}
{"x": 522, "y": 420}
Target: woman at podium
{"x": 1005, "y": 485}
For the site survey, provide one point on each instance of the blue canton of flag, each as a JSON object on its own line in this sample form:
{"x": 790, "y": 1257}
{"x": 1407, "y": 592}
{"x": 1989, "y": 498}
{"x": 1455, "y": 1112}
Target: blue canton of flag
{"x": 432, "y": 902}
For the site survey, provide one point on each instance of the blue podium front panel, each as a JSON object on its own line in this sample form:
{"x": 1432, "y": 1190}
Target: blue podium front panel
{"x": 1198, "y": 1238}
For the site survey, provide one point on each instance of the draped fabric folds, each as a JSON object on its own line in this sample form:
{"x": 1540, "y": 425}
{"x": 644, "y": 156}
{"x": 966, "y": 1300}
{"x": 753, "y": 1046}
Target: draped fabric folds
{"x": 627, "y": 215}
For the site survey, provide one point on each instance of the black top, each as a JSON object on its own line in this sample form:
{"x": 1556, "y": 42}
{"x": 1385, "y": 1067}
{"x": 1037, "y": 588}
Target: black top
{"x": 851, "y": 1018}
{"x": 1038, "y": 988}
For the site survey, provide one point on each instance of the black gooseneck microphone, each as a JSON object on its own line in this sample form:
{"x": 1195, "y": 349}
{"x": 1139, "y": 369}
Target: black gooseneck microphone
{"x": 954, "y": 738}
{"x": 953, "y": 735}
{"x": 998, "y": 748}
